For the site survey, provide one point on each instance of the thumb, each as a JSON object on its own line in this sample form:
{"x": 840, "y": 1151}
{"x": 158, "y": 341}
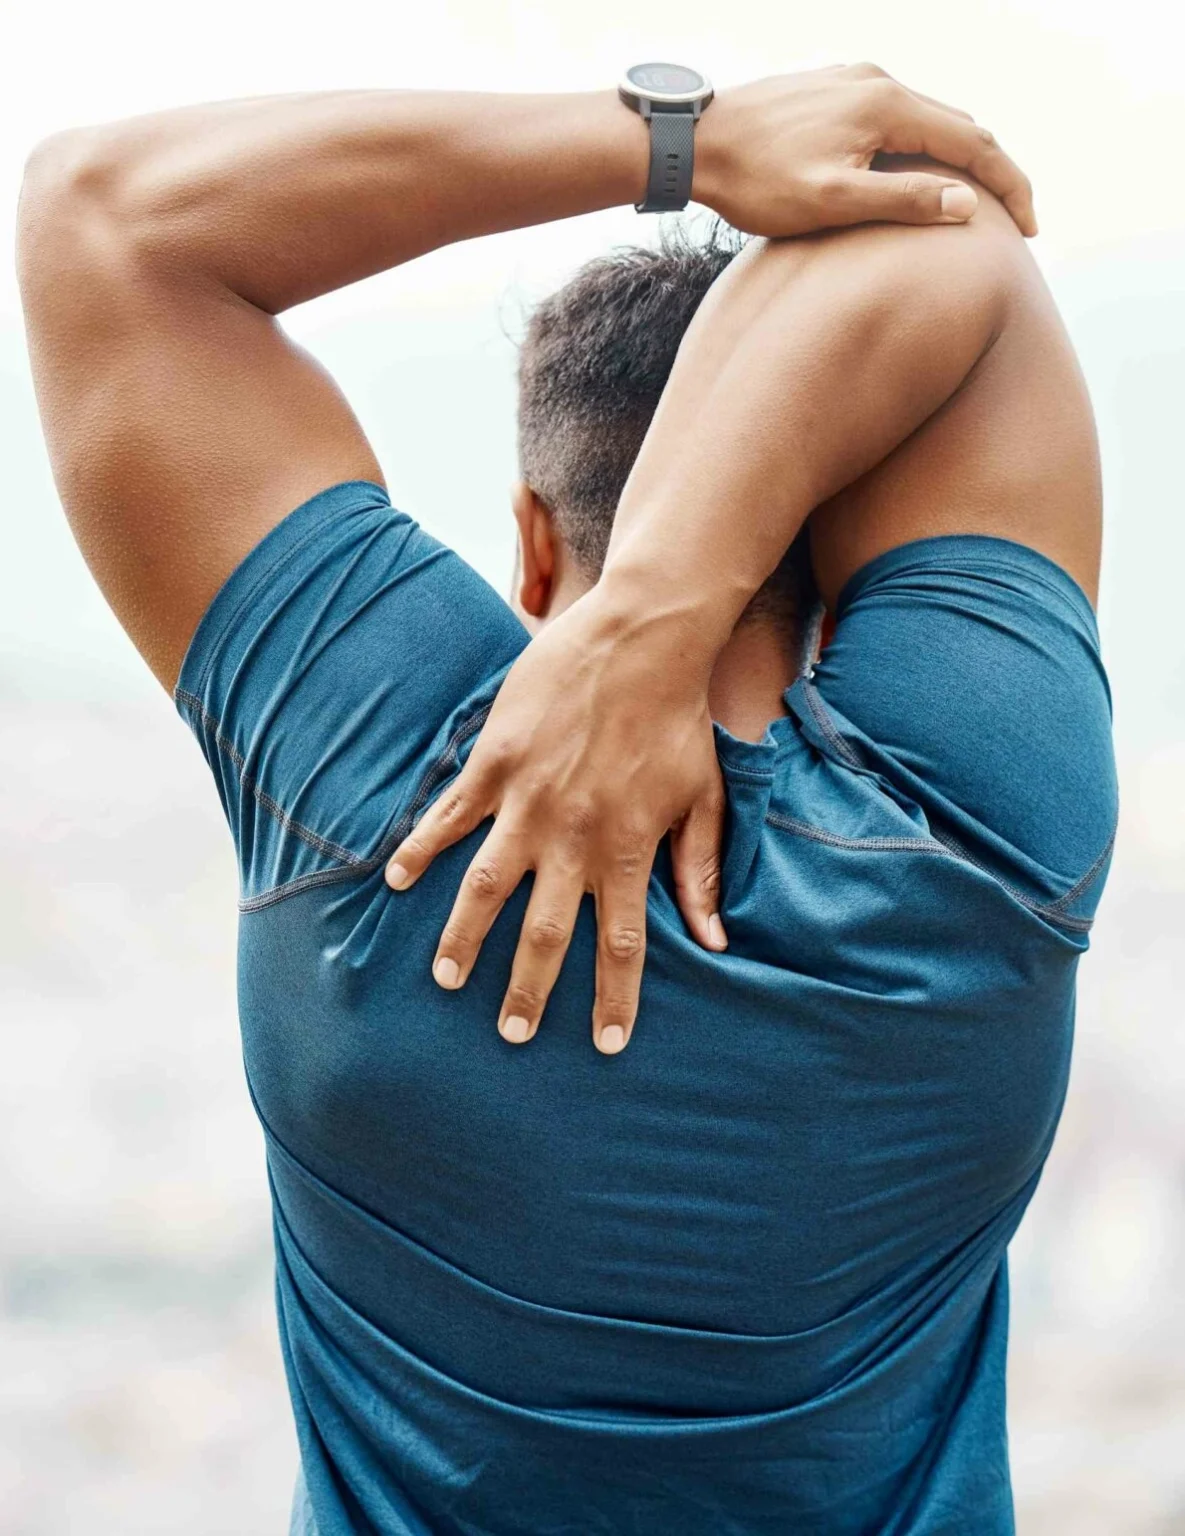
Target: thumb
{"x": 695, "y": 860}
{"x": 902, "y": 197}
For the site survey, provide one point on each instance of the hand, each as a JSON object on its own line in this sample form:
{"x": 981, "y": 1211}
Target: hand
{"x": 599, "y": 742}
{"x": 792, "y": 154}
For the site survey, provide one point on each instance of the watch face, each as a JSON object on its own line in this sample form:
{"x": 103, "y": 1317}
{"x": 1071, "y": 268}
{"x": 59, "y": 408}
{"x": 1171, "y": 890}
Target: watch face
{"x": 664, "y": 81}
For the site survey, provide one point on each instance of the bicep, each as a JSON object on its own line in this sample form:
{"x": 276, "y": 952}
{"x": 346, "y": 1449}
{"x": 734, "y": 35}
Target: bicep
{"x": 181, "y": 422}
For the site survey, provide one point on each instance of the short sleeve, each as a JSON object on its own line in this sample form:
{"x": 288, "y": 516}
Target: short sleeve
{"x": 965, "y": 671}
{"x": 345, "y": 658}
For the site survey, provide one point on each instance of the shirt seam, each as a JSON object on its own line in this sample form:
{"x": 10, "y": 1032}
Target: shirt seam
{"x": 1053, "y": 911}
{"x": 247, "y": 780}
{"x": 360, "y": 868}
{"x": 946, "y": 847}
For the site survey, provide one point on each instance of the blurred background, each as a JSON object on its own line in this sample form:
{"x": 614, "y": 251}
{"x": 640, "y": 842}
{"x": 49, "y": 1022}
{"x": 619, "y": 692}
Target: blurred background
{"x": 140, "y": 1381}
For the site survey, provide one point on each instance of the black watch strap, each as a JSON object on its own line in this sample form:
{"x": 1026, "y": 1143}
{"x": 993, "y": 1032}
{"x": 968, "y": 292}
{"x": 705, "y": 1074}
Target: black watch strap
{"x": 672, "y": 158}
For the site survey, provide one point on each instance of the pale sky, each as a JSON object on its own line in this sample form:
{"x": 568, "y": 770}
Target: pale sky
{"x": 1086, "y": 95}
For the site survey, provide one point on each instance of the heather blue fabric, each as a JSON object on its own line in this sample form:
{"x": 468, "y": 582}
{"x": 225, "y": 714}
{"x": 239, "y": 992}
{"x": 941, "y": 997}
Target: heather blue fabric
{"x": 748, "y": 1277}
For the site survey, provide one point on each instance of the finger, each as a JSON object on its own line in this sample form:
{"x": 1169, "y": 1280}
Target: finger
{"x": 905, "y": 197}
{"x": 493, "y": 876}
{"x": 621, "y": 953}
{"x": 542, "y": 945}
{"x": 695, "y": 859}
{"x": 911, "y": 127}
{"x": 1010, "y": 184}
{"x": 453, "y": 816}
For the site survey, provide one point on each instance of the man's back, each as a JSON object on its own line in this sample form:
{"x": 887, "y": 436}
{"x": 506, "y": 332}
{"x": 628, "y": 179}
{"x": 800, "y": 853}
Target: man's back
{"x": 749, "y": 1276}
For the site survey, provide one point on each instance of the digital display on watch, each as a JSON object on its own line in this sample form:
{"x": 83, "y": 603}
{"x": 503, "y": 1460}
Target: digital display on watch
{"x": 665, "y": 80}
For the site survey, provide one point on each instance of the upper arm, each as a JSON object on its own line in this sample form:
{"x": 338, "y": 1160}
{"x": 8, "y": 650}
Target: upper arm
{"x": 1008, "y": 449}
{"x": 809, "y": 362}
{"x": 182, "y": 423}
{"x": 961, "y": 565}
{"x": 334, "y": 680}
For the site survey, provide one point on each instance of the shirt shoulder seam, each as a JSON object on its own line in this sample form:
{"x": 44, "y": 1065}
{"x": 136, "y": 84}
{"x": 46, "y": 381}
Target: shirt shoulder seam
{"x": 268, "y": 802}
{"x": 358, "y": 868}
{"x": 943, "y": 846}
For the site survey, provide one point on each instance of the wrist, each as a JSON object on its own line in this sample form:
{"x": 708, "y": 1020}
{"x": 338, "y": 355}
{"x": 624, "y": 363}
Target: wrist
{"x": 711, "y": 170}
{"x": 683, "y": 622}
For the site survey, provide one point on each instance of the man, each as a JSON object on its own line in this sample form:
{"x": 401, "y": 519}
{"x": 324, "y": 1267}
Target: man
{"x": 749, "y": 1276}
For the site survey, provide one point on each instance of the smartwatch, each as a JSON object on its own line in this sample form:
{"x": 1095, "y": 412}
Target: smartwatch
{"x": 670, "y": 97}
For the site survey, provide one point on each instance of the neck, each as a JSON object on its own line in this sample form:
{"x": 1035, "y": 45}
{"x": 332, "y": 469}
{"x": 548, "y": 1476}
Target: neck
{"x": 762, "y": 658}
{"x": 752, "y": 673}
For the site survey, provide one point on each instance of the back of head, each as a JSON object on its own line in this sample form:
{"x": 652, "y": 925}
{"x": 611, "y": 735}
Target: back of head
{"x": 594, "y": 362}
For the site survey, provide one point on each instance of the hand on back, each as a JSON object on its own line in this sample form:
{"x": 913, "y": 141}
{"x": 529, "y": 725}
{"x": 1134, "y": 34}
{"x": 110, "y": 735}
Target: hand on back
{"x": 600, "y": 741}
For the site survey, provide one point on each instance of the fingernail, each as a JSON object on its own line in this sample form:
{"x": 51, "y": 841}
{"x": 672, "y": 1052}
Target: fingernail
{"x": 611, "y": 1039}
{"x": 958, "y": 202}
{"x": 515, "y": 1030}
{"x": 447, "y": 972}
{"x": 716, "y": 934}
{"x": 396, "y": 876}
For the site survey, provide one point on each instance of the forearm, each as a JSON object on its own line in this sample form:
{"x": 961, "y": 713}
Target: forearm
{"x": 808, "y": 363}
{"x": 281, "y": 199}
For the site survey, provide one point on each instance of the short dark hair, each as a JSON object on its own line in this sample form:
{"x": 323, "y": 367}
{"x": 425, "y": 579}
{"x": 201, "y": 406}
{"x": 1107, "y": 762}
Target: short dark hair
{"x": 594, "y": 361}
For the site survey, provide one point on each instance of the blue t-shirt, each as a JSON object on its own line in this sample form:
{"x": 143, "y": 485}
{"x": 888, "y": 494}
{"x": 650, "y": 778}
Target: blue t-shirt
{"x": 748, "y": 1277}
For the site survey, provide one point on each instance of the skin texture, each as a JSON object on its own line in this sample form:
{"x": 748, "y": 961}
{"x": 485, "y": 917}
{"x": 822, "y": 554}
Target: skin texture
{"x": 183, "y": 424}
{"x": 898, "y": 384}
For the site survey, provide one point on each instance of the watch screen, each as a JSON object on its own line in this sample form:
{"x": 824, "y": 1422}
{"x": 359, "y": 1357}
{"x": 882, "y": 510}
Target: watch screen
{"x": 665, "y": 79}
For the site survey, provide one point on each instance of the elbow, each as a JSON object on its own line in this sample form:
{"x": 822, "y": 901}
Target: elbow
{"x": 71, "y": 196}
{"x": 73, "y": 168}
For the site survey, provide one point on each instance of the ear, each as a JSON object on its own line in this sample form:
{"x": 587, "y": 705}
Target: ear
{"x": 536, "y": 551}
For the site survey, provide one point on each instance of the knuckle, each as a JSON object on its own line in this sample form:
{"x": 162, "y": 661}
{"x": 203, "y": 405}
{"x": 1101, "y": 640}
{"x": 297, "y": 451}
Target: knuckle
{"x": 524, "y": 998}
{"x": 917, "y": 189}
{"x": 882, "y": 93}
{"x": 622, "y": 941}
{"x": 867, "y": 71}
{"x": 616, "y": 1008}
{"x": 831, "y": 192}
{"x": 454, "y": 938}
{"x": 497, "y": 753}
{"x": 484, "y": 879}
{"x": 451, "y": 807}
{"x": 630, "y": 851}
{"x": 708, "y": 875}
{"x": 547, "y": 933}
{"x": 628, "y": 863}
{"x": 579, "y": 819}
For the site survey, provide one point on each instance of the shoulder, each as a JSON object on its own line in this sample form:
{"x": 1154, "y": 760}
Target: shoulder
{"x": 952, "y": 275}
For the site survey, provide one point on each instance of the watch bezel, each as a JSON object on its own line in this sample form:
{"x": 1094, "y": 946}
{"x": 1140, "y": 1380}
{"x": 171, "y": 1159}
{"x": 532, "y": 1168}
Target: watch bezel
{"x": 628, "y": 89}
